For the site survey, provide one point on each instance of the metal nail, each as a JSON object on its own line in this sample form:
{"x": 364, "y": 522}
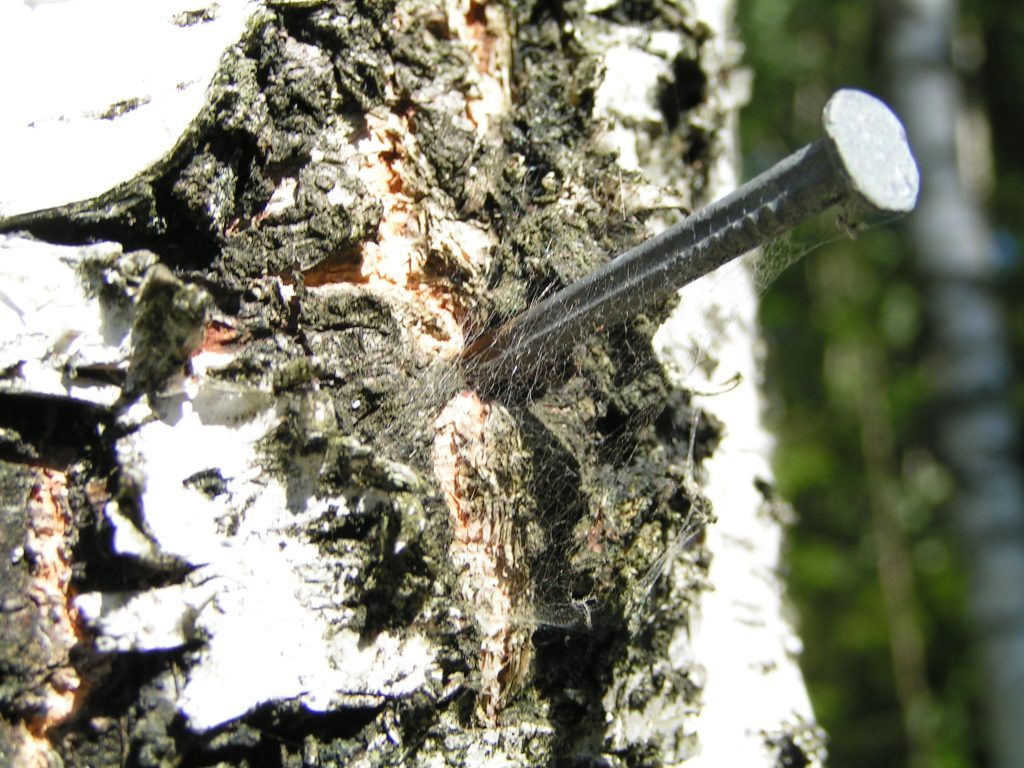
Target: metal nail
{"x": 864, "y": 163}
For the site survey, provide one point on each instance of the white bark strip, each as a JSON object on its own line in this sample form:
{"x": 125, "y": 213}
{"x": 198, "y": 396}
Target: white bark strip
{"x": 269, "y": 605}
{"x": 50, "y": 327}
{"x": 754, "y": 695}
{"x": 94, "y": 92}
{"x": 266, "y": 600}
{"x": 270, "y": 609}
{"x": 977, "y": 431}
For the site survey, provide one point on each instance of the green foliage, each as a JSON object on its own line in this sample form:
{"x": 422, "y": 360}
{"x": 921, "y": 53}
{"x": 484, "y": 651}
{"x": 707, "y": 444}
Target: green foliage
{"x": 853, "y": 407}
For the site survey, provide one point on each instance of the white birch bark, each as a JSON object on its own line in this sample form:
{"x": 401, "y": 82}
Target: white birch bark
{"x": 754, "y": 702}
{"x": 258, "y": 618}
{"x": 955, "y": 254}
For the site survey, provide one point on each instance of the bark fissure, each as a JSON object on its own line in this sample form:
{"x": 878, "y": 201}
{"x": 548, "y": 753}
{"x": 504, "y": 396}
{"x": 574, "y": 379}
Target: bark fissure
{"x": 347, "y": 555}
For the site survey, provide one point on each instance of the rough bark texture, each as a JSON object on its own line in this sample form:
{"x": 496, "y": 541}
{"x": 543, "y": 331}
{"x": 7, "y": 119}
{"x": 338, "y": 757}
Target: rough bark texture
{"x": 294, "y": 537}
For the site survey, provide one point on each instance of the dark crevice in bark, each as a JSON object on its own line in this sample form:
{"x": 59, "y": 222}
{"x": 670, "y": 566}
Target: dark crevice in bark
{"x": 604, "y": 442}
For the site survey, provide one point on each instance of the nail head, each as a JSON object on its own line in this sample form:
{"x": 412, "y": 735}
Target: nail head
{"x": 871, "y": 146}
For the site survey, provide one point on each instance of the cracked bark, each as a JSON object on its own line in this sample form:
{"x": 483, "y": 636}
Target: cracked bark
{"x": 294, "y": 535}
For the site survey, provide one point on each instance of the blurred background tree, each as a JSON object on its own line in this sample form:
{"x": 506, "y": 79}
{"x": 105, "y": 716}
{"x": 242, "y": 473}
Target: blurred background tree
{"x": 891, "y": 367}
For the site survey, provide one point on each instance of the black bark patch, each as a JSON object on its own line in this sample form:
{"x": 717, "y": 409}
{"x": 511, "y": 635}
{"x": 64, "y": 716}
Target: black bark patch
{"x": 686, "y": 90}
{"x": 606, "y": 442}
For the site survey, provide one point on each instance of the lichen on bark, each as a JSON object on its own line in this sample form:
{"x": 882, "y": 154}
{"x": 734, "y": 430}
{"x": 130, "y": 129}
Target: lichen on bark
{"x": 363, "y": 175}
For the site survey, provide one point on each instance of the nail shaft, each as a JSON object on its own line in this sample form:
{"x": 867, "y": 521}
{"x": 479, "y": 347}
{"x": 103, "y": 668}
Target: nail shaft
{"x": 864, "y": 163}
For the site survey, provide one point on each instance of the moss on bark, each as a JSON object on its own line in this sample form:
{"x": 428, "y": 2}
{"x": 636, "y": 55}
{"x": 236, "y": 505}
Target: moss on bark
{"x": 606, "y": 443}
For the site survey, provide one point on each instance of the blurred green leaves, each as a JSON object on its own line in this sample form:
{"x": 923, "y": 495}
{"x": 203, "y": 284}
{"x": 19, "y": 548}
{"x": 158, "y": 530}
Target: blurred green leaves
{"x": 852, "y": 403}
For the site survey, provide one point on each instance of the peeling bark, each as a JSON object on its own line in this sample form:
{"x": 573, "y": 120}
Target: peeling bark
{"x": 297, "y": 536}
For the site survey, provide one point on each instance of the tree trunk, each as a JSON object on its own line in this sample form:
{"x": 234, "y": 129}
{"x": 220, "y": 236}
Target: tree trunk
{"x": 256, "y": 515}
{"x": 973, "y": 375}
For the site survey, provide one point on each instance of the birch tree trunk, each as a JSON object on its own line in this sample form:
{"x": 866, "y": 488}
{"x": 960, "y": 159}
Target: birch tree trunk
{"x": 973, "y": 370}
{"x": 252, "y": 512}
